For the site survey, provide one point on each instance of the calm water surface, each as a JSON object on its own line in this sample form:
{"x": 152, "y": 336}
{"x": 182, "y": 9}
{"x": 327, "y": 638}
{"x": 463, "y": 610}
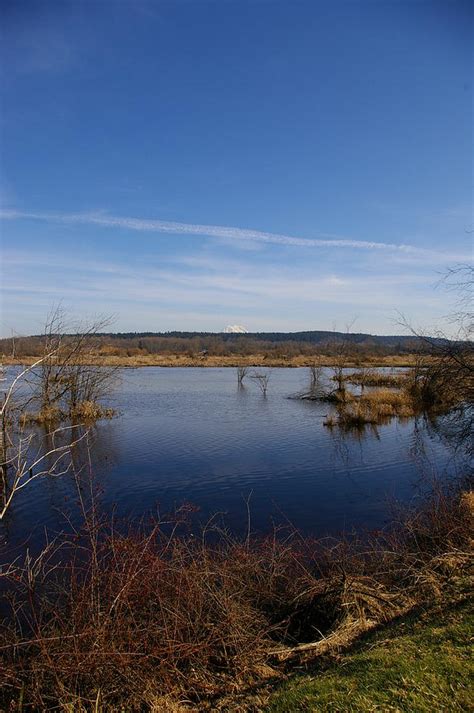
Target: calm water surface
{"x": 190, "y": 435}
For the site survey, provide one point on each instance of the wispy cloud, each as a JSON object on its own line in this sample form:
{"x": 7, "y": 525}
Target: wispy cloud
{"x": 205, "y": 288}
{"x": 223, "y": 232}
{"x": 241, "y": 291}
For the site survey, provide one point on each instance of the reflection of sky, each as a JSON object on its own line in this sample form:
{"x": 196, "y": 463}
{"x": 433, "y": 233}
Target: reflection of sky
{"x": 191, "y": 435}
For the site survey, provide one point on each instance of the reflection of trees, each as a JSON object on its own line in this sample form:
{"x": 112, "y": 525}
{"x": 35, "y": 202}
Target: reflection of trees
{"x": 344, "y": 440}
{"x": 448, "y": 379}
{"x": 455, "y": 430}
{"x": 70, "y": 462}
{"x": 452, "y": 432}
{"x": 24, "y": 457}
{"x": 92, "y": 447}
{"x": 417, "y": 449}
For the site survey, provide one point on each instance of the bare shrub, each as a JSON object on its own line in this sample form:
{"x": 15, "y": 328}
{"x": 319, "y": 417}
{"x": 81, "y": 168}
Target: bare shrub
{"x": 242, "y": 372}
{"x": 26, "y": 459}
{"x": 374, "y": 377}
{"x": 25, "y": 456}
{"x": 48, "y": 416}
{"x": 342, "y": 351}
{"x": 70, "y": 372}
{"x": 316, "y": 385}
{"x": 446, "y": 381}
{"x": 130, "y": 617}
{"x": 261, "y": 379}
{"x": 90, "y": 411}
{"x": 373, "y": 407}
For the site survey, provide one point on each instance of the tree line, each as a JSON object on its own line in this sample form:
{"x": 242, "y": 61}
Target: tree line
{"x": 278, "y": 344}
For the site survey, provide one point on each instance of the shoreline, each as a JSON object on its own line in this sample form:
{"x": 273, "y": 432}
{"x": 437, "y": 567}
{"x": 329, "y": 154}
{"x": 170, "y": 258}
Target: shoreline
{"x": 232, "y": 361}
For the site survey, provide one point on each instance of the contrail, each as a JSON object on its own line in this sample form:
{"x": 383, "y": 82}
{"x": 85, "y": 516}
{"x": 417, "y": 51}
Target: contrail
{"x": 212, "y": 231}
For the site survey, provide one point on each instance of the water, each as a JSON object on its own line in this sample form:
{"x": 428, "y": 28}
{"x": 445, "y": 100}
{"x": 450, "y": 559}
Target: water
{"x": 191, "y": 435}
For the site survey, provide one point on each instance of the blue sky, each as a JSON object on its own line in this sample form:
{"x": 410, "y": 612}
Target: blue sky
{"x": 189, "y": 164}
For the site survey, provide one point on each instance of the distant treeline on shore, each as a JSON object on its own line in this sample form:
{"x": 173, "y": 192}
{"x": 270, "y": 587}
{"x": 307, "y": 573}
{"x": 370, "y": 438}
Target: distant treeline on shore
{"x": 278, "y": 344}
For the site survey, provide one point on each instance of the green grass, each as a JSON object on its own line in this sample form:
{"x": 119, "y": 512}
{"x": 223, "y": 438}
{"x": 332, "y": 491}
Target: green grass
{"x": 420, "y": 664}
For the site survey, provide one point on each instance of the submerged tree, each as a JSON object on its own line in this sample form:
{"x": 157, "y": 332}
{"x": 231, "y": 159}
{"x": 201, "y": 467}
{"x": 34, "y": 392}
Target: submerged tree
{"x": 318, "y": 388}
{"x": 242, "y": 372}
{"x": 261, "y": 379}
{"x": 70, "y": 379}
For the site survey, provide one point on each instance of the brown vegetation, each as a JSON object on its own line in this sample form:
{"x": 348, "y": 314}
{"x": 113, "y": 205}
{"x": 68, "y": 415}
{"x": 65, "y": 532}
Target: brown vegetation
{"x": 255, "y": 359}
{"x": 64, "y": 377}
{"x": 84, "y": 411}
{"x": 430, "y": 386}
{"x": 59, "y": 386}
{"x": 128, "y": 621}
{"x": 276, "y": 346}
{"x": 373, "y": 377}
{"x": 67, "y": 381}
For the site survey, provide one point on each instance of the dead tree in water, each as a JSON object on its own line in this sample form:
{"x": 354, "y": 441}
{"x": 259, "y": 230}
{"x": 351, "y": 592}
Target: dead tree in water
{"x": 261, "y": 379}
{"x": 242, "y": 372}
{"x": 316, "y": 389}
{"x": 70, "y": 374}
{"x": 342, "y": 352}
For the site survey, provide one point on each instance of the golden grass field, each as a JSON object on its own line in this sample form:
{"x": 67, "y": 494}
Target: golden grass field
{"x": 256, "y": 360}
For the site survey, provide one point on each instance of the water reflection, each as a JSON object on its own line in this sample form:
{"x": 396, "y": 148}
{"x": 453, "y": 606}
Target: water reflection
{"x": 197, "y": 436}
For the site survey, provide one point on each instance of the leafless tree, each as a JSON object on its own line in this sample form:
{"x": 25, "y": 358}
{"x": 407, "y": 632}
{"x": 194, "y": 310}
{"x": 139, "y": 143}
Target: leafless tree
{"x": 242, "y": 372}
{"x": 446, "y": 380}
{"x": 460, "y": 279}
{"x": 316, "y": 388}
{"x": 70, "y": 372}
{"x": 450, "y": 372}
{"x": 342, "y": 354}
{"x": 261, "y": 379}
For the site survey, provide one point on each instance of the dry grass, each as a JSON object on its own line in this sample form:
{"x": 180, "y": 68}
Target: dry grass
{"x": 373, "y": 408}
{"x": 385, "y": 402}
{"x": 138, "y": 620}
{"x": 86, "y": 411}
{"x": 249, "y": 360}
{"x": 425, "y": 387}
{"x": 372, "y": 377}
{"x": 429, "y": 386}
{"x": 91, "y": 411}
{"x": 48, "y": 415}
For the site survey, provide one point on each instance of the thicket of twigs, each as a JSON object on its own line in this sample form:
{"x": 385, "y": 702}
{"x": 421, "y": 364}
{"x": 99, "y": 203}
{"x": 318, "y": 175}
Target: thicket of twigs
{"x": 68, "y": 381}
{"x": 112, "y": 621}
{"x": 440, "y": 386}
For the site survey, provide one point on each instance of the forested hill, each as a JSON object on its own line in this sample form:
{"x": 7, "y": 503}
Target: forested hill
{"x": 277, "y": 344}
{"x": 320, "y": 337}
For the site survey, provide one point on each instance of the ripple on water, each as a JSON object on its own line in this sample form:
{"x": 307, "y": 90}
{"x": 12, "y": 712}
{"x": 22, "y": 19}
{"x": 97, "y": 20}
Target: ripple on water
{"x": 192, "y": 435}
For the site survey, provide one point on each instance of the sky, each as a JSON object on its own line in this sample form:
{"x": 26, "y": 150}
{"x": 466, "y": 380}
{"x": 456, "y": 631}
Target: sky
{"x": 189, "y": 164}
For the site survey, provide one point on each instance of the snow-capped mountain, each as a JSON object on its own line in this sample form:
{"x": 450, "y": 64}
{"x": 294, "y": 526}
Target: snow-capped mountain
{"x": 235, "y": 329}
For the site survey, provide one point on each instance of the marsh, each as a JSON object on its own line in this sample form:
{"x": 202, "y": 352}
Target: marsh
{"x": 192, "y": 437}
